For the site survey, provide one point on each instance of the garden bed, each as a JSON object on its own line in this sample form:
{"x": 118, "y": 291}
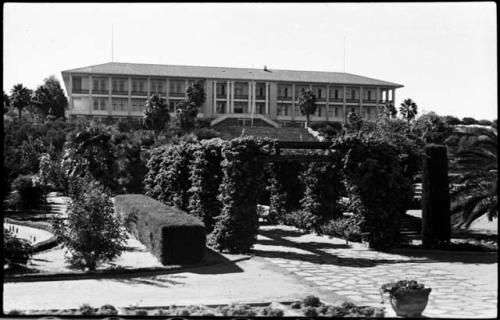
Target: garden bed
{"x": 310, "y": 307}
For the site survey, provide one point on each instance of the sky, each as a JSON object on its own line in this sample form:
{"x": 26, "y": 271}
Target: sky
{"x": 445, "y": 54}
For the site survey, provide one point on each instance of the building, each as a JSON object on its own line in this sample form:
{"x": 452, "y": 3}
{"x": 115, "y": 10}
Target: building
{"x": 121, "y": 89}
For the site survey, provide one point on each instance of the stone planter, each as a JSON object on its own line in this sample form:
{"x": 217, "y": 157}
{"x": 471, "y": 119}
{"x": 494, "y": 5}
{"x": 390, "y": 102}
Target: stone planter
{"x": 410, "y": 304}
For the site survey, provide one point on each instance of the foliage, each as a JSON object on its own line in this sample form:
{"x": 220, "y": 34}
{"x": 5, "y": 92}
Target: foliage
{"x": 28, "y": 194}
{"x": 390, "y": 110}
{"x": 469, "y": 120}
{"x": 45, "y": 171}
{"x": 86, "y": 310}
{"x": 322, "y": 191}
{"x": 307, "y": 104}
{"x": 172, "y": 235}
{"x": 6, "y": 102}
{"x": 432, "y": 128}
{"x": 156, "y": 114}
{"x": 236, "y": 227}
{"x": 348, "y": 309}
{"x": 20, "y": 97}
{"x": 475, "y": 194}
{"x": 187, "y": 110}
{"x": 108, "y": 310}
{"x": 452, "y": 120}
{"x": 353, "y": 123}
{"x": 237, "y": 310}
{"x": 206, "y": 177}
{"x": 90, "y": 151}
{"x": 408, "y": 109}
{"x": 485, "y": 122}
{"x": 328, "y": 129}
{"x": 301, "y": 219}
{"x": 378, "y": 190}
{"x": 16, "y": 250}
{"x": 92, "y": 233}
{"x": 343, "y": 227}
{"x": 310, "y": 312}
{"x": 271, "y": 312}
{"x": 50, "y": 97}
{"x": 402, "y": 287}
{"x": 311, "y": 301}
{"x": 285, "y": 188}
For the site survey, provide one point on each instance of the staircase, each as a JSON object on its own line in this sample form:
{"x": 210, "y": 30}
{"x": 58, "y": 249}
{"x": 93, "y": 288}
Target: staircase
{"x": 411, "y": 227}
{"x": 283, "y": 134}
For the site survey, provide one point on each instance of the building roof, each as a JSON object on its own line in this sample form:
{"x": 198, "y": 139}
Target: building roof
{"x": 161, "y": 70}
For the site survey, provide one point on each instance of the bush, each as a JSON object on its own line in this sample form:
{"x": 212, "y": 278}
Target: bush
{"x": 311, "y": 301}
{"x": 272, "y": 312}
{"x": 485, "y": 122}
{"x": 169, "y": 233}
{"x": 92, "y": 232}
{"x": 310, "y": 312}
{"x": 348, "y": 309}
{"x": 285, "y": 188}
{"x": 86, "y": 310}
{"x": 344, "y": 227}
{"x": 206, "y": 177}
{"x": 237, "y": 310}
{"x": 300, "y": 219}
{"x": 236, "y": 228}
{"x": 27, "y": 195}
{"x": 141, "y": 312}
{"x": 107, "y": 310}
{"x": 206, "y": 133}
{"x": 16, "y": 250}
{"x": 15, "y": 312}
{"x": 469, "y": 120}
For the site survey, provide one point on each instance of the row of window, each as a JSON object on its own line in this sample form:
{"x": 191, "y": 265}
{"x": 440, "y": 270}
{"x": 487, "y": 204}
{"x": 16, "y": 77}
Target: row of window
{"x": 333, "y": 111}
{"x": 101, "y": 85}
{"x": 239, "y": 107}
{"x": 118, "y": 104}
{"x": 241, "y": 89}
{"x": 335, "y": 93}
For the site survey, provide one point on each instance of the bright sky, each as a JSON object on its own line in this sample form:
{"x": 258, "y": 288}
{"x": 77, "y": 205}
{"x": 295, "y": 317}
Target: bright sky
{"x": 445, "y": 54}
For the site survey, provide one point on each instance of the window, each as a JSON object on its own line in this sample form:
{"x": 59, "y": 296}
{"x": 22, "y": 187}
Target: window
{"x": 336, "y": 94}
{"x": 119, "y": 104}
{"x": 297, "y": 112}
{"x": 119, "y": 85}
{"x": 157, "y": 86}
{"x": 221, "y": 89}
{"x": 284, "y": 91}
{"x": 319, "y": 93}
{"x": 368, "y": 113}
{"x": 353, "y": 94}
{"x": 260, "y": 108}
{"x": 177, "y": 86}
{"x": 138, "y": 105}
{"x": 171, "y": 106}
{"x": 283, "y": 109}
{"x": 240, "y": 107}
{"x": 77, "y": 82}
{"x": 320, "y": 111}
{"x": 261, "y": 90}
{"x": 221, "y": 107}
{"x": 353, "y": 110}
{"x": 369, "y": 94}
{"x": 241, "y": 90}
{"x": 99, "y": 104}
{"x": 336, "y": 112}
{"x": 100, "y": 85}
{"x": 139, "y": 85}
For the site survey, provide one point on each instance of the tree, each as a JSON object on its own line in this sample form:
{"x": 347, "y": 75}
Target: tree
{"x": 6, "y": 103}
{"x": 452, "y": 121}
{"x": 48, "y": 96}
{"x": 187, "y": 110}
{"x": 432, "y": 128}
{"x": 156, "y": 114}
{"x": 354, "y": 122}
{"x": 20, "y": 97}
{"x": 408, "y": 109}
{"x": 390, "y": 110}
{"x": 475, "y": 194}
{"x": 307, "y": 104}
{"x": 469, "y": 120}
{"x": 92, "y": 233}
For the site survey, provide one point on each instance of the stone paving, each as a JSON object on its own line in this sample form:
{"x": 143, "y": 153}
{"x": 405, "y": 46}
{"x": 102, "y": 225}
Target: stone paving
{"x": 464, "y": 285}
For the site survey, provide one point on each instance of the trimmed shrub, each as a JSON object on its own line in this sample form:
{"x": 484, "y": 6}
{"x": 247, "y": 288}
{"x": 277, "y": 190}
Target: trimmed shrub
{"x": 237, "y": 310}
{"x": 172, "y": 235}
{"x": 379, "y": 191}
{"x": 285, "y": 188}
{"x": 310, "y": 312}
{"x": 436, "y": 225}
{"x": 236, "y": 228}
{"x": 301, "y": 219}
{"x": 16, "y": 250}
{"x": 272, "y": 312}
{"x": 107, "y": 310}
{"x": 323, "y": 184}
{"x": 469, "y": 120}
{"x": 206, "y": 177}
{"x": 86, "y": 310}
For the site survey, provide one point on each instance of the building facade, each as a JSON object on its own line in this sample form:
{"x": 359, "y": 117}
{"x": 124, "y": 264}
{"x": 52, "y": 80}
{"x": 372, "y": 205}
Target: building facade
{"x": 120, "y": 90}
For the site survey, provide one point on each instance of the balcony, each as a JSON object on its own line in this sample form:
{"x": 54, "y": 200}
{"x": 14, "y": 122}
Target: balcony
{"x": 139, "y": 93}
{"x": 80, "y": 90}
{"x": 352, "y": 100}
{"x": 176, "y": 94}
{"x": 336, "y": 99}
{"x": 241, "y": 96}
{"x": 100, "y": 91}
{"x": 370, "y": 101}
{"x": 120, "y": 93}
{"x": 285, "y": 98}
{"x": 260, "y": 98}
{"x": 158, "y": 93}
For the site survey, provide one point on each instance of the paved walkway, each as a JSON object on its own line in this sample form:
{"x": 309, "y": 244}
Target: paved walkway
{"x": 464, "y": 285}
{"x": 33, "y": 235}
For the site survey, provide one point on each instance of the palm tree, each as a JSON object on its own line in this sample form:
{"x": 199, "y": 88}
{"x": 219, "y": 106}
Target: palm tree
{"x": 20, "y": 97}
{"x": 408, "y": 109}
{"x": 475, "y": 194}
{"x": 307, "y": 104}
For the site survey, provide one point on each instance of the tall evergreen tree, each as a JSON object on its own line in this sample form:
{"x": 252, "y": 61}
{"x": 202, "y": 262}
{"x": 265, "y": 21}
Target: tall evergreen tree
{"x": 48, "y": 96}
{"x": 20, "y": 97}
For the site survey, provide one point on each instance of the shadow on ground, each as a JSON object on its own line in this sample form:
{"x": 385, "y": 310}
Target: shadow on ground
{"x": 316, "y": 252}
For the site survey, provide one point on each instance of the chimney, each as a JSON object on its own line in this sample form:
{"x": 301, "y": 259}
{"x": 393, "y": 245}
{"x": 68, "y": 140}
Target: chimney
{"x": 265, "y": 68}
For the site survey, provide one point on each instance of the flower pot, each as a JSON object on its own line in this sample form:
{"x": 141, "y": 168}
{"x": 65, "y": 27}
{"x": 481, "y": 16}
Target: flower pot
{"x": 410, "y": 304}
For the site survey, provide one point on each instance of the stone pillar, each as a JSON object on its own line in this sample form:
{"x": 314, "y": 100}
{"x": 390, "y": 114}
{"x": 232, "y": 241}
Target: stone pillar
{"x": 232, "y": 96}
{"x": 208, "y": 105}
{"x": 377, "y": 98}
{"x": 273, "y": 104}
{"x": 91, "y": 98}
{"x": 70, "y": 96}
{"x": 148, "y": 87}
{"x": 249, "y": 96}
{"x": 293, "y": 102}
{"x": 185, "y": 88}
{"x": 110, "y": 106}
{"x": 167, "y": 92}
{"x": 327, "y": 103}
{"x": 393, "y": 97}
{"x": 214, "y": 100}
{"x": 228, "y": 100}
{"x": 267, "y": 98}
{"x": 254, "y": 95}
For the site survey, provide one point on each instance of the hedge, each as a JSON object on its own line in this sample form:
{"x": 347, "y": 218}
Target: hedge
{"x": 172, "y": 235}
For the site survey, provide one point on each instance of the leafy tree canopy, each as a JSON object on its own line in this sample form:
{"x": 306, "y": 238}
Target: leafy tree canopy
{"x": 50, "y": 96}
{"x": 156, "y": 114}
